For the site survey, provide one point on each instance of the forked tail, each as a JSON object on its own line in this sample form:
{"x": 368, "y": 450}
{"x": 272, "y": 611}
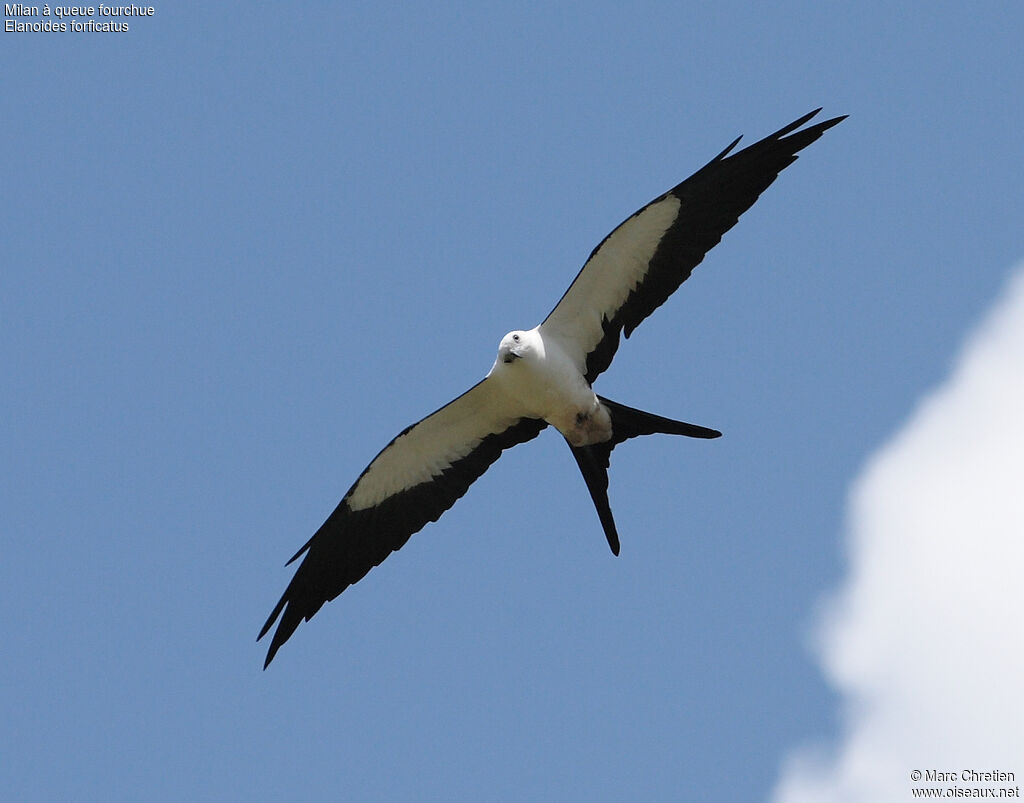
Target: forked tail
{"x": 593, "y": 460}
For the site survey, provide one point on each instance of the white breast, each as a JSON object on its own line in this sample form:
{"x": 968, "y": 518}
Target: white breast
{"x": 546, "y": 384}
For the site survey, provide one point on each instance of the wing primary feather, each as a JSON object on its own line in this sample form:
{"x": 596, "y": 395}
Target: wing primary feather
{"x": 727, "y": 149}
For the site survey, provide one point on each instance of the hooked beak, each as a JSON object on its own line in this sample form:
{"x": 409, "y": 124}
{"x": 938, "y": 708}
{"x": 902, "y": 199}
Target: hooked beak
{"x": 510, "y": 357}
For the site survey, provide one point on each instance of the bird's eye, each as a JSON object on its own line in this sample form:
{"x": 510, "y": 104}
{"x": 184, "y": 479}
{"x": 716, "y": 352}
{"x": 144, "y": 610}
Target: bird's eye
{"x": 515, "y": 338}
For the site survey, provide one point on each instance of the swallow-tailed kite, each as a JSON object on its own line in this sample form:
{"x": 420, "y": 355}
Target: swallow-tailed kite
{"x": 541, "y": 376}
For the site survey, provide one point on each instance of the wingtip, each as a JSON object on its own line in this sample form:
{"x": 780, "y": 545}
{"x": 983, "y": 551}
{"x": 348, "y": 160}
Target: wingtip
{"x": 274, "y": 614}
{"x": 279, "y": 637}
{"x": 827, "y": 124}
{"x": 727, "y": 150}
{"x": 810, "y": 115}
{"x": 275, "y": 644}
{"x": 819, "y": 128}
{"x": 789, "y": 129}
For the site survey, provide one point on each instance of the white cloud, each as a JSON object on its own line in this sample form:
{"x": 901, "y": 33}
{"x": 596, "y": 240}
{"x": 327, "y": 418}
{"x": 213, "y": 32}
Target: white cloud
{"x": 924, "y": 642}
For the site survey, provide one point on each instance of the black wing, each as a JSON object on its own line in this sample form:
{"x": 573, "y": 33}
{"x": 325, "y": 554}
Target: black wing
{"x": 414, "y": 479}
{"x": 642, "y": 262}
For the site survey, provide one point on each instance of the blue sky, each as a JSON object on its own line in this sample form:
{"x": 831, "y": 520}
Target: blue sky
{"x": 246, "y": 245}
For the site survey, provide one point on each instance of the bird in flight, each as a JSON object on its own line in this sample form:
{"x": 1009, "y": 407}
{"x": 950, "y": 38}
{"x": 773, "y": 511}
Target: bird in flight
{"x": 541, "y": 376}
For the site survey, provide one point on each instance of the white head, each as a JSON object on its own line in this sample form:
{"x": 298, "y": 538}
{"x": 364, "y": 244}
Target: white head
{"x": 512, "y": 347}
{"x": 518, "y": 345}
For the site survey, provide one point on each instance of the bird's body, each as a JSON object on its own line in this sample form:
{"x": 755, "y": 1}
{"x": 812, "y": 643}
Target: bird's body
{"x": 541, "y": 380}
{"x": 541, "y": 376}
